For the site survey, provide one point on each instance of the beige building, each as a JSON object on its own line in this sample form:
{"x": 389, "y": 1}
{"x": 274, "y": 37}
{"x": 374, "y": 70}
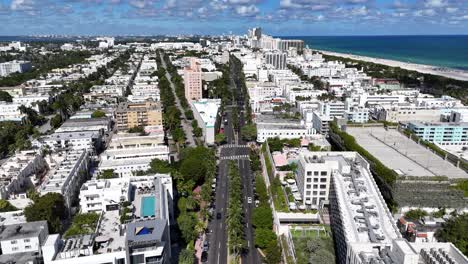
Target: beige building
{"x": 193, "y": 80}
{"x": 130, "y": 115}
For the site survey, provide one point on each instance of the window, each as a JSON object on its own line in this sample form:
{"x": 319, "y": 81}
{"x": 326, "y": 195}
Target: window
{"x": 316, "y": 173}
{"x": 322, "y": 192}
{"x": 309, "y": 173}
{"x": 309, "y": 180}
{"x": 323, "y": 186}
{"x": 315, "y": 186}
{"x": 323, "y": 180}
{"x": 27, "y": 240}
{"x": 14, "y": 242}
{"x": 315, "y": 180}
{"x": 14, "y": 249}
{"x": 323, "y": 173}
{"x": 27, "y": 247}
{"x": 308, "y": 186}
{"x": 308, "y": 193}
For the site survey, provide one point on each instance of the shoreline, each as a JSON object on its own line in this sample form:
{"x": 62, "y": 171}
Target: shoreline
{"x": 427, "y": 69}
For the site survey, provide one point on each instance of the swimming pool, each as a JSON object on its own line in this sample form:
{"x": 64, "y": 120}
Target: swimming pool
{"x": 148, "y": 204}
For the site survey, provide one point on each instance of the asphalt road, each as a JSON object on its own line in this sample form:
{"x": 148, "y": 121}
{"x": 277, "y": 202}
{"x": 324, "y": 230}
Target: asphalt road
{"x": 235, "y": 150}
{"x": 186, "y": 126}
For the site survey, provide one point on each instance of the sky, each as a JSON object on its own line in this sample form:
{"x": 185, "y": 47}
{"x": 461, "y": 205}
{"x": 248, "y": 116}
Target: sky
{"x": 276, "y": 17}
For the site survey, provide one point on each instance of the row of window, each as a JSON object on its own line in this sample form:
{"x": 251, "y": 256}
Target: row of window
{"x": 26, "y": 240}
{"x": 316, "y": 180}
{"x": 316, "y": 173}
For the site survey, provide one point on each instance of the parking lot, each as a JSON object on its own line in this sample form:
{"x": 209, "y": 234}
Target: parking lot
{"x": 400, "y": 153}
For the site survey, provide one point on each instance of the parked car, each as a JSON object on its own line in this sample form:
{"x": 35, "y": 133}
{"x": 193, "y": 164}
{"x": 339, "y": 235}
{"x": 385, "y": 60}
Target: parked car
{"x": 218, "y": 215}
{"x": 205, "y": 245}
{"x": 204, "y": 257}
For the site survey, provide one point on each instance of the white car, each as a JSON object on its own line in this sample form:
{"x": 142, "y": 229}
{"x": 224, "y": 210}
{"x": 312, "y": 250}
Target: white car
{"x": 249, "y": 200}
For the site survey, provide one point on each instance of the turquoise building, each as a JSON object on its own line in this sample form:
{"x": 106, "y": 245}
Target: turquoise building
{"x": 441, "y": 133}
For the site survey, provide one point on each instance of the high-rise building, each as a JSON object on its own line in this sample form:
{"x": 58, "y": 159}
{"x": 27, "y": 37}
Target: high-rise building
{"x": 286, "y": 44}
{"x": 193, "y": 80}
{"x": 277, "y": 59}
{"x": 130, "y": 115}
{"x": 10, "y": 67}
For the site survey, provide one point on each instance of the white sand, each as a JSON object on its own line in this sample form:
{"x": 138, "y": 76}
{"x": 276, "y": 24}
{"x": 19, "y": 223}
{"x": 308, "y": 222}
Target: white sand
{"x": 446, "y": 72}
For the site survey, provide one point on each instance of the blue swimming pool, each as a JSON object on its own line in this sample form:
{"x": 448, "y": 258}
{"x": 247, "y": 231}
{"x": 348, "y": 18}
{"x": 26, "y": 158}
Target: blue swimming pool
{"x": 148, "y": 204}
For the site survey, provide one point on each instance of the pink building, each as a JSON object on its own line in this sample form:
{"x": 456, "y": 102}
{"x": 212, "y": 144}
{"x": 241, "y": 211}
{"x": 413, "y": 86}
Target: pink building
{"x": 193, "y": 80}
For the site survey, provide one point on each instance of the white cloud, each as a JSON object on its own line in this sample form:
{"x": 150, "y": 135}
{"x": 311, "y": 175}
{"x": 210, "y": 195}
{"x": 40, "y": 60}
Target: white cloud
{"x": 435, "y": 3}
{"x": 22, "y": 5}
{"x": 451, "y": 9}
{"x": 250, "y": 10}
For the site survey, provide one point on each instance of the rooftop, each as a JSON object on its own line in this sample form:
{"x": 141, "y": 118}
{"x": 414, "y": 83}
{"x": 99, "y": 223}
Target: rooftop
{"x": 208, "y": 110}
{"x": 365, "y": 216}
{"x": 20, "y": 231}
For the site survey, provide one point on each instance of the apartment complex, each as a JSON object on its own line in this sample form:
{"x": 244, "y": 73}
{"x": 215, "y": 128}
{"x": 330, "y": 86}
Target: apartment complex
{"x": 10, "y": 67}
{"x": 148, "y": 113}
{"x": 23, "y": 242}
{"x": 441, "y": 133}
{"x": 193, "y": 80}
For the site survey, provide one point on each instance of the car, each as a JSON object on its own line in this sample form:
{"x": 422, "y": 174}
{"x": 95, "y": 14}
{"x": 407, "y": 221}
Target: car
{"x": 249, "y": 200}
{"x": 218, "y": 215}
{"x": 204, "y": 257}
{"x": 205, "y": 245}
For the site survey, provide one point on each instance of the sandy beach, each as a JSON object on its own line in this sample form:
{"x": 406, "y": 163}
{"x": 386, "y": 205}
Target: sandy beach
{"x": 446, "y": 72}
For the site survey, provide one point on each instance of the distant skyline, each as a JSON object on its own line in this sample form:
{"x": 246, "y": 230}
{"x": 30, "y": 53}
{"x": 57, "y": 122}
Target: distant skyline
{"x": 280, "y": 17}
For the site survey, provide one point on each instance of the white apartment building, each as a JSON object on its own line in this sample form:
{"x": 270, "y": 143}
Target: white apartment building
{"x": 104, "y": 195}
{"x": 288, "y": 130}
{"x": 76, "y": 140}
{"x": 332, "y": 109}
{"x": 276, "y": 59}
{"x": 129, "y": 153}
{"x": 7, "y": 68}
{"x": 357, "y": 115}
{"x": 321, "y": 123}
{"x": 15, "y": 45}
{"x": 17, "y": 172}
{"x": 23, "y": 238}
{"x": 109, "y": 90}
{"x": 32, "y": 100}
{"x": 367, "y": 100}
{"x": 205, "y": 112}
{"x": 67, "y": 175}
{"x": 363, "y": 227}
{"x": 407, "y": 113}
{"x": 443, "y": 102}
{"x": 314, "y": 177}
{"x": 9, "y": 111}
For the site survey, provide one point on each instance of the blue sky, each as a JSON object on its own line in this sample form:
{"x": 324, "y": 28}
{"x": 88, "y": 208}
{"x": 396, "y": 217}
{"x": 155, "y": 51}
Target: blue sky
{"x": 279, "y": 17}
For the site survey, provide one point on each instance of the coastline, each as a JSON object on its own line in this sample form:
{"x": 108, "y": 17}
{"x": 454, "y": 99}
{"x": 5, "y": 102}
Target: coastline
{"x": 427, "y": 69}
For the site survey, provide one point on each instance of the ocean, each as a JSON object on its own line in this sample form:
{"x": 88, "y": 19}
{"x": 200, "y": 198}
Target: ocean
{"x": 443, "y": 51}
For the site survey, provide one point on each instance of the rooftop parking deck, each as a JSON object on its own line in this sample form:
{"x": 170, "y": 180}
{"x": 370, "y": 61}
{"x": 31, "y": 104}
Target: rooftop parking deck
{"x": 403, "y": 155}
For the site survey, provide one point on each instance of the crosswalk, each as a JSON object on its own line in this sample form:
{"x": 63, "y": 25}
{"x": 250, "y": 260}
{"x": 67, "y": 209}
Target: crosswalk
{"x": 233, "y": 146}
{"x": 235, "y": 157}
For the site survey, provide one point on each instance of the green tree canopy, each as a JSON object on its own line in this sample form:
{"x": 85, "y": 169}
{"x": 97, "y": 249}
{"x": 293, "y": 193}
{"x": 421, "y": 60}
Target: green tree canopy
{"x": 6, "y": 97}
{"x": 98, "y": 114}
{"x": 187, "y": 256}
{"x": 455, "y": 230}
{"x": 263, "y": 237}
{"x": 108, "y": 174}
{"x": 187, "y": 223}
{"x": 160, "y": 166}
{"x": 249, "y": 132}
{"x": 6, "y": 206}
{"x": 220, "y": 138}
{"x": 49, "y": 207}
